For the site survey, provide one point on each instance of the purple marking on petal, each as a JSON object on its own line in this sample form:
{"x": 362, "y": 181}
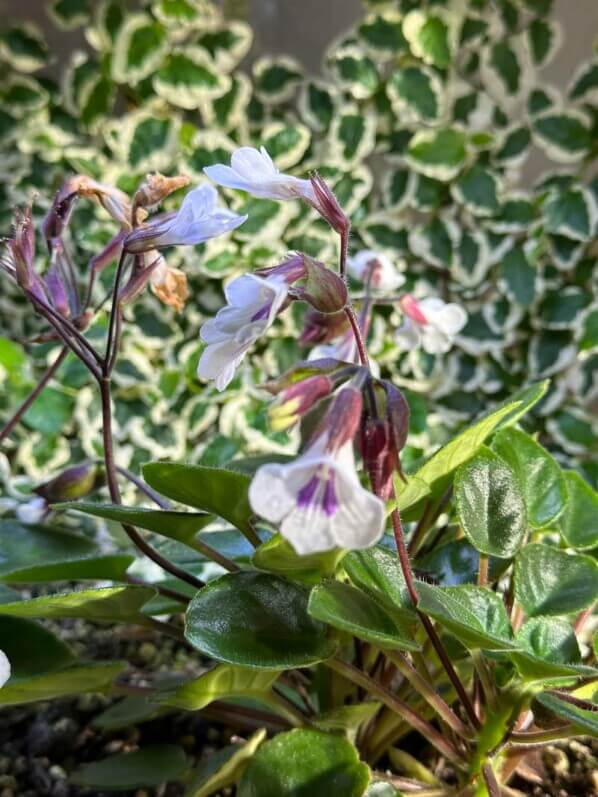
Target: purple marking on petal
{"x": 307, "y": 493}
{"x": 263, "y": 312}
{"x": 330, "y": 501}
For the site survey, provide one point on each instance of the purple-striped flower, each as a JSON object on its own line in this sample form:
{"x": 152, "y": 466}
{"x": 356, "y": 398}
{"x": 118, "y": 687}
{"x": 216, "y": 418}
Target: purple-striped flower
{"x": 252, "y": 305}
{"x": 317, "y": 501}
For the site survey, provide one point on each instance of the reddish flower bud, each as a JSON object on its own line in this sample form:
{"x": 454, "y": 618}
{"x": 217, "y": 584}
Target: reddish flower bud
{"x": 73, "y": 483}
{"x": 321, "y": 288}
{"x": 327, "y": 205}
{"x": 322, "y": 327}
{"x": 379, "y": 455}
{"x": 297, "y": 400}
{"x": 57, "y": 291}
{"x": 343, "y": 417}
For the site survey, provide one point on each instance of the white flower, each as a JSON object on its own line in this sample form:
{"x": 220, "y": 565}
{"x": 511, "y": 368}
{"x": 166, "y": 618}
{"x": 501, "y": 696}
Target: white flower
{"x": 254, "y": 171}
{"x": 317, "y": 502}
{"x": 384, "y": 275}
{"x": 253, "y": 303}
{"x": 430, "y": 323}
{"x": 4, "y": 668}
{"x": 32, "y": 511}
{"x": 198, "y": 219}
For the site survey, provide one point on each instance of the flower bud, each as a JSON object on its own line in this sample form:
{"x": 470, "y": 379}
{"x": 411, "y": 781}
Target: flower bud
{"x": 73, "y": 483}
{"x": 397, "y": 414}
{"x": 343, "y": 417}
{"x": 327, "y": 205}
{"x": 297, "y": 400}
{"x": 322, "y": 327}
{"x": 322, "y": 288}
{"x": 379, "y": 454}
{"x": 57, "y": 291}
{"x": 22, "y": 247}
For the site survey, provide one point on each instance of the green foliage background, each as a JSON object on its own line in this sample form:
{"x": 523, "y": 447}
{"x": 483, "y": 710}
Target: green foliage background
{"x": 422, "y": 120}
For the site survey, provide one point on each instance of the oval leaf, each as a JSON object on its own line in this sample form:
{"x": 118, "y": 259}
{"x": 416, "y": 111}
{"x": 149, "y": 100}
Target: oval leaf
{"x": 305, "y": 763}
{"x": 579, "y": 522}
{"x": 256, "y": 620}
{"x": 490, "y": 505}
{"x": 150, "y": 766}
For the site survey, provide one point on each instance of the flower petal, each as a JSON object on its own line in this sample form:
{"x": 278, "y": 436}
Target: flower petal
{"x": 451, "y": 319}
{"x": 4, "y": 668}
{"x": 360, "y": 519}
{"x": 269, "y": 495}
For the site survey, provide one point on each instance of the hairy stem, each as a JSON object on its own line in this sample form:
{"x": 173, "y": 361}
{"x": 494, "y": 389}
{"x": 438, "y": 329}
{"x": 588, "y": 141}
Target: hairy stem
{"x": 37, "y": 390}
{"x": 396, "y": 705}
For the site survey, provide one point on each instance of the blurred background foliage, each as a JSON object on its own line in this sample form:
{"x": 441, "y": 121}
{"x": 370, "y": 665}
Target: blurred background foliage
{"x": 423, "y": 117}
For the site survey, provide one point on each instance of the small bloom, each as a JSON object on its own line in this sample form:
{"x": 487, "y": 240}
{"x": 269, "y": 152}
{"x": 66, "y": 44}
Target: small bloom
{"x": 198, "y": 219}
{"x": 73, "y": 483}
{"x": 4, "y": 668}
{"x": 430, "y": 323}
{"x": 376, "y": 268}
{"x": 33, "y": 511}
{"x": 252, "y": 305}
{"x": 155, "y": 188}
{"x": 317, "y": 502}
{"x": 254, "y": 171}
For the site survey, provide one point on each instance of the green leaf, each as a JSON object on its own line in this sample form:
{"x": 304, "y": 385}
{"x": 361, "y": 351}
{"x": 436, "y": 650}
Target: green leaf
{"x": 277, "y": 555}
{"x": 549, "y": 650}
{"x": 477, "y": 189}
{"x": 181, "y": 526}
{"x": 550, "y": 581}
{"x": 475, "y": 615}
{"x": 223, "y": 768}
{"x": 286, "y": 143}
{"x": 189, "y": 77}
{"x": 105, "y": 604}
{"x": 214, "y": 490}
{"x": 129, "y": 711}
{"x": 504, "y": 70}
{"x": 355, "y": 72}
{"x": 352, "y": 136}
{"x": 24, "y": 48}
{"x": 276, "y": 78}
{"x": 540, "y": 477}
{"x": 437, "y": 153}
{"x": 519, "y": 275}
{"x": 44, "y": 553}
{"x": 256, "y": 620}
{"x": 584, "y": 86}
{"x": 139, "y": 47}
{"x": 564, "y": 136}
{"x": 150, "y": 766}
{"x": 305, "y": 763}
{"x": 466, "y": 444}
{"x": 378, "y": 572}
{"x": 31, "y": 648}
{"x": 415, "y": 94}
{"x": 317, "y": 104}
{"x": 514, "y": 146}
{"x": 584, "y": 719}
{"x": 349, "y": 609}
{"x": 572, "y": 213}
{"x": 223, "y": 681}
{"x": 579, "y": 522}
{"x": 70, "y": 14}
{"x": 382, "y": 34}
{"x": 52, "y": 415}
{"x": 544, "y": 39}
{"x": 74, "y": 680}
{"x": 429, "y": 38}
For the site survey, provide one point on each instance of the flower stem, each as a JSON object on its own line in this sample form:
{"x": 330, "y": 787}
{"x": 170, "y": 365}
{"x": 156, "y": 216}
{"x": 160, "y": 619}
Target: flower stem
{"x": 363, "y": 355}
{"x": 37, "y": 390}
{"x": 114, "y": 489}
{"x": 396, "y": 705}
{"x": 427, "y": 623}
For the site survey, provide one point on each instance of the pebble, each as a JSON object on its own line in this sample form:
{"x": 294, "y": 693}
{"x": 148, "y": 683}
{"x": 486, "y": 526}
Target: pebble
{"x": 57, "y": 772}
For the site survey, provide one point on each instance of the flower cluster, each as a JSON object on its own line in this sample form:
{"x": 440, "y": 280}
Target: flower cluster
{"x": 318, "y": 502}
